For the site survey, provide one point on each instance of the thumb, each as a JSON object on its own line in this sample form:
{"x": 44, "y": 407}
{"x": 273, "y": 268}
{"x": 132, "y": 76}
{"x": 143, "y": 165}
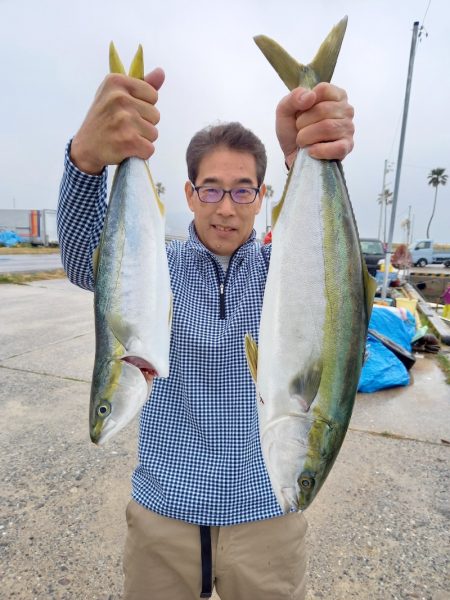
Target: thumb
{"x": 155, "y": 78}
{"x": 299, "y": 99}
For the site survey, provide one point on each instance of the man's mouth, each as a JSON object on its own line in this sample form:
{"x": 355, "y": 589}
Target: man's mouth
{"x": 223, "y": 228}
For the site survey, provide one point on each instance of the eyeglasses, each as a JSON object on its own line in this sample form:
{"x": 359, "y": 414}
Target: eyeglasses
{"x": 240, "y": 195}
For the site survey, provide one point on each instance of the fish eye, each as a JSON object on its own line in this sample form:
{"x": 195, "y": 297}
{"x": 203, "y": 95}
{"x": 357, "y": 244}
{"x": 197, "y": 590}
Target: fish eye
{"x": 104, "y": 409}
{"x": 306, "y": 481}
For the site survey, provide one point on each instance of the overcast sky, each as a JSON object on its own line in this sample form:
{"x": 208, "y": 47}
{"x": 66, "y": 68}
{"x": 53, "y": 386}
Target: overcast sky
{"x": 55, "y": 55}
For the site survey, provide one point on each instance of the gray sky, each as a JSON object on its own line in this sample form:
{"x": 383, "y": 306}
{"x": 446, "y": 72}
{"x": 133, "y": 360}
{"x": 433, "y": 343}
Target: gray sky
{"x": 55, "y": 55}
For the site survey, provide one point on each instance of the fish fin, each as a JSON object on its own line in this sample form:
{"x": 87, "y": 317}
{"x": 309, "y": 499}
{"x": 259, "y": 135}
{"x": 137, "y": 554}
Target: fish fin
{"x": 161, "y": 207}
{"x": 115, "y": 64}
{"x": 370, "y": 288}
{"x": 95, "y": 261}
{"x": 124, "y": 332}
{"x": 293, "y": 73}
{"x": 305, "y": 385}
{"x": 251, "y": 352}
{"x": 137, "y": 64}
{"x": 276, "y": 210}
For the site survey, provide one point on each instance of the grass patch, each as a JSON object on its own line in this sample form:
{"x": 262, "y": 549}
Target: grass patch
{"x": 444, "y": 363}
{"x": 29, "y": 249}
{"x": 24, "y": 278}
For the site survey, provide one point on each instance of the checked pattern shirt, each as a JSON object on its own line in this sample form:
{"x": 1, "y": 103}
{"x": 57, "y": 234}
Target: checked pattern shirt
{"x": 199, "y": 456}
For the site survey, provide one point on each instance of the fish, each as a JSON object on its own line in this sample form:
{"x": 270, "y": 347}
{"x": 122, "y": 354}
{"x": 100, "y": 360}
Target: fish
{"x": 132, "y": 293}
{"x": 316, "y": 309}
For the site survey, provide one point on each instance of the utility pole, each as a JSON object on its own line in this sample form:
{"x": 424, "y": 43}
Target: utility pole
{"x": 382, "y": 198}
{"x": 387, "y": 260}
{"x": 387, "y": 200}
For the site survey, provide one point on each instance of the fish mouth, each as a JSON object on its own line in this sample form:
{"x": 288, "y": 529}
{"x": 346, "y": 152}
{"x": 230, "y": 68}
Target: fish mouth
{"x": 146, "y": 368}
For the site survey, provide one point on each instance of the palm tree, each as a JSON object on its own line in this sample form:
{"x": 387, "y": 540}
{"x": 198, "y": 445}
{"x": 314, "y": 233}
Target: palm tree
{"x": 269, "y": 194}
{"x": 160, "y": 188}
{"x": 436, "y": 178}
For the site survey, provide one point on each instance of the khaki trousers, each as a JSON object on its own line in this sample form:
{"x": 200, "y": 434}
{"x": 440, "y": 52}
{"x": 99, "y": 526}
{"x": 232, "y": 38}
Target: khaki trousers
{"x": 262, "y": 560}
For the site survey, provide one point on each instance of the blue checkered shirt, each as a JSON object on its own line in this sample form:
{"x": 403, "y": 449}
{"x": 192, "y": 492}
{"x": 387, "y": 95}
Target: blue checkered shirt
{"x": 200, "y": 457}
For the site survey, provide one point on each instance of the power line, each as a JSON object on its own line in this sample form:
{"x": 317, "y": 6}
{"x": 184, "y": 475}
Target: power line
{"x": 426, "y": 12}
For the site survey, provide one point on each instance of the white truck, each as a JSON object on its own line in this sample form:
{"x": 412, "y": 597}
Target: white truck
{"x": 425, "y": 252}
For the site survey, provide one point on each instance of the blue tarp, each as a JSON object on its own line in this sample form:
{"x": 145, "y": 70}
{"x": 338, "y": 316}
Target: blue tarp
{"x": 382, "y": 368}
{"x": 9, "y": 238}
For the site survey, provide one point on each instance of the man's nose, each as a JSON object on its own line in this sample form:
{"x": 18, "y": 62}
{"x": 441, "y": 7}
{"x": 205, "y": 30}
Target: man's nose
{"x": 226, "y": 206}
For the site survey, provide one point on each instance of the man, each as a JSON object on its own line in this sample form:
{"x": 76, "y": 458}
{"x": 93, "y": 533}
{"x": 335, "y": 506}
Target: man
{"x": 203, "y": 511}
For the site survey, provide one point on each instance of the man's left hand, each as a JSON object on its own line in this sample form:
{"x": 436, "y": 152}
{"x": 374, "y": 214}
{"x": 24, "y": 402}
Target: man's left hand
{"x": 321, "y": 119}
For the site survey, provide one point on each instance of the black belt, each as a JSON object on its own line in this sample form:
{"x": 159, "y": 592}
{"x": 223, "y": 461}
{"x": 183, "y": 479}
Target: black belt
{"x": 205, "y": 545}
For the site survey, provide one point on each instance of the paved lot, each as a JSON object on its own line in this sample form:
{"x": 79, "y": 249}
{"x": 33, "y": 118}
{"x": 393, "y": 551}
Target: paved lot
{"x": 18, "y": 263}
{"x": 378, "y": 530}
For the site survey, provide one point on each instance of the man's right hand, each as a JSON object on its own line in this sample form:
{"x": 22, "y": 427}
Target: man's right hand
{"x": 120, "y": 123}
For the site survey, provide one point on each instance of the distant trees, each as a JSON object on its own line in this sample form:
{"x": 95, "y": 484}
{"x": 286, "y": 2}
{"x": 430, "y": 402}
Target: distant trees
{"x": 436, "y": 178}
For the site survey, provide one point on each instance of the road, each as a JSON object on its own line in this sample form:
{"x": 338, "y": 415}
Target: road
{"x": 19, "y": 263}
{"x": 377, "y": 530}
{"x": 431, "y": 270}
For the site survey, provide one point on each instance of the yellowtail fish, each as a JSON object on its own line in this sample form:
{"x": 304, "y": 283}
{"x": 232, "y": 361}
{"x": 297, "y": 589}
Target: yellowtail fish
{"x": 132, "y": 293}
{"x": 316, "y": 309}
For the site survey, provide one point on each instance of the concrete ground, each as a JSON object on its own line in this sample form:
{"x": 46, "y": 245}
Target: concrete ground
{"x": 379, "y": 528}
{"x": 16, "y": 263}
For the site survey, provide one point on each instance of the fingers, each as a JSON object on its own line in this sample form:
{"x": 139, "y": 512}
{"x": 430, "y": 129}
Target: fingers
{"x": 327, "y": 126}
{"x": 132, "y": 106}
{"x": 330, "y": 103}
{"x": 321, "y": 119}
{"x": 137, "y": 88}
{"x": 325, "y": 130}
{"x": 331, "y": 150}
{"x": 120, "y": 123}
{"x": 298, "y": 99}
{"x": 133, "y": 134}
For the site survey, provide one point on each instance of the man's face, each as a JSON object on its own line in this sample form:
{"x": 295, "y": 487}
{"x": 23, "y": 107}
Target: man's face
{"x": 224, "y": 226}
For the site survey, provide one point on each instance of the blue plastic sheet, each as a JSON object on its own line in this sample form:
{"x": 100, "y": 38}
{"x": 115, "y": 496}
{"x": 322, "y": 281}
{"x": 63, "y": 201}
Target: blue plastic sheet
{"x": 9, "y": 238}
{"x": 382, "y": 368}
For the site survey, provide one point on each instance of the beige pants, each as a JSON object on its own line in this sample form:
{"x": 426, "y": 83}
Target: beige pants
{"x": 263, "y": 560}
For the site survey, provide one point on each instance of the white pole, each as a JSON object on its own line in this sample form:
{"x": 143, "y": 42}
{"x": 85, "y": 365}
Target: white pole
{"x": 387, "y": 260}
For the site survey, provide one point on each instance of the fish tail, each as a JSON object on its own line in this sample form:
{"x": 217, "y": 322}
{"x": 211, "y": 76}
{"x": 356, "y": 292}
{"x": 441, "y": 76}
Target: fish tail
{"x": 115, "y": 64}
{"x": 137, "y": 64}
{"x": 295, "y": 74}
{"x": 136, "y": 71}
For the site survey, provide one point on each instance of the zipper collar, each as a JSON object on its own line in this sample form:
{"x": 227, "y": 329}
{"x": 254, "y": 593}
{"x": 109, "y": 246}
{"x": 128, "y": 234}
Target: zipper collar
{"x": 195, "y": 244}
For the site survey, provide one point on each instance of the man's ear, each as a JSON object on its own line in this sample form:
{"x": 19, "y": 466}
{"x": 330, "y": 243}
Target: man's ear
{"x": 189, "y": 192}
{"x": 260, "y": 197}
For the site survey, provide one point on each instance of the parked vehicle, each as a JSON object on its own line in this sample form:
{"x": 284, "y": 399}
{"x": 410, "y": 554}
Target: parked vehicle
{"x": 425, "y": 252}
{"x": 373, "y": 251}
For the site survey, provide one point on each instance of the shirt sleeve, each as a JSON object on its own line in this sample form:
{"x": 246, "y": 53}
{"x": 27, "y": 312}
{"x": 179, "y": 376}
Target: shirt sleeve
{"x": 80, "y": 216}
